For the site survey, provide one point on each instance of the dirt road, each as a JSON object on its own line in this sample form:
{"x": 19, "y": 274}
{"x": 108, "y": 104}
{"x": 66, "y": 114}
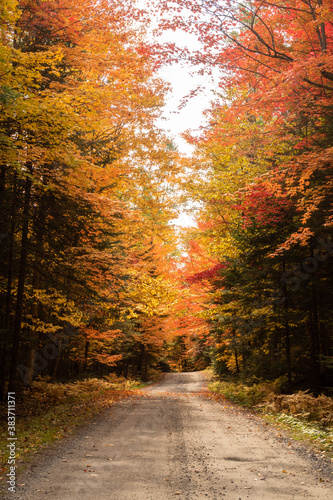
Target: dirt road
{"x": 173, "y": 443}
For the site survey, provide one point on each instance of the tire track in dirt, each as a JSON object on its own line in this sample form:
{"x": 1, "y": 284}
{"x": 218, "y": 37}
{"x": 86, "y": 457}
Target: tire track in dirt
{"x": 171, "y": 442}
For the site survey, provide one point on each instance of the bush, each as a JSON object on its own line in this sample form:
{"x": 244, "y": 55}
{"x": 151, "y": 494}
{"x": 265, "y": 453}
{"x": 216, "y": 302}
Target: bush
{"x": 243, "y": 394}
{"x": 304, "y": 405}
{"x": 266, "y": 396}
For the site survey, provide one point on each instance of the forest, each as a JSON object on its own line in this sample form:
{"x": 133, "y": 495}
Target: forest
{"x": 95, "y": 276}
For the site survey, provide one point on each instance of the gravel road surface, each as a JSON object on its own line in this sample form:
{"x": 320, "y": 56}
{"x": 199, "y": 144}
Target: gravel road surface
{"x": 171, "y": 442}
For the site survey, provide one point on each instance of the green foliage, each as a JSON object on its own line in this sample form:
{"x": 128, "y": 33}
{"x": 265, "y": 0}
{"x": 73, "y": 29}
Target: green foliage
{"x": 307, "y": 431}
{"x": 245, "y": 395}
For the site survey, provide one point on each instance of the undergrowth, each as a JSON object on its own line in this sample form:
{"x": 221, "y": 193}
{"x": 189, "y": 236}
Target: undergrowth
{"x": 47, "y": 412}
{"x": 305, "y": 416}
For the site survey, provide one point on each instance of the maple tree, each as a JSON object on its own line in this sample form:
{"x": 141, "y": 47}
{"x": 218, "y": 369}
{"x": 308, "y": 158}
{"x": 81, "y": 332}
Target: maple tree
{"x": 277, "y": 58}
{"x": 263, "y": 180}
{"x": 79, "y": 100}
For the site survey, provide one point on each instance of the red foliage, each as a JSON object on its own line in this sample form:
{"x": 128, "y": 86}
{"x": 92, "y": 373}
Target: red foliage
{"x": 208, "y": 274}
{"x": 261, "y": 205}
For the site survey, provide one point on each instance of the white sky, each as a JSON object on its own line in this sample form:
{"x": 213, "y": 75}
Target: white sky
{"x": 182, "y": 82}
{"x": 190, "y": 117}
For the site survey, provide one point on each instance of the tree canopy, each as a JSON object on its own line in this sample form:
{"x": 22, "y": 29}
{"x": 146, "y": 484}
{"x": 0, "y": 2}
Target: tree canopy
{"x": 93, "y": 275}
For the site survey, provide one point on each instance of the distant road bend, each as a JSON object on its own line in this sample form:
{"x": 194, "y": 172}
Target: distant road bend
{"x": 174, "y": 443}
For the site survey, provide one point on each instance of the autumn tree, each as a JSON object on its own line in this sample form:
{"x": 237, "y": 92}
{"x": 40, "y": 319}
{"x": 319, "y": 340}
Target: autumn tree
{"x": 277, "y": 58}
{"x": 79, "y": 100}
{"x": 266, "y": 151}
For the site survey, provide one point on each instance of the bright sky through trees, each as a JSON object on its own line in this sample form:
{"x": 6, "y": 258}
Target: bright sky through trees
{"x": 180, "y": 113}
{"x": 183, "y": 113}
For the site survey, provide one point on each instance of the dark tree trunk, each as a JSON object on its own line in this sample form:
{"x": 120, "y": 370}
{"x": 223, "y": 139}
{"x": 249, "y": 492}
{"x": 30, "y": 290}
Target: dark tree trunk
{"x": 287, "y": 332}
{"x": 315, "y": 341}
{"x": 20, "y": 289}
{"x": 86, "y": 352}
{"x": 8, "y": 303}
{"x": 143, "y": 362}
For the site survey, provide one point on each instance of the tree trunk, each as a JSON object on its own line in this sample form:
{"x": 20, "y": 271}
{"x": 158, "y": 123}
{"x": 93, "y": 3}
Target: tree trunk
{"x": 86, "y": 352}
{"x": 236, "y": 360}
{"x": 315, "y": 341}
{"x": 143, "y": 362}
{"x": 56, "y": 362}
{"x": 6, "y": 319}
{"x": 34, "y": 337}
{"x": 287, "y": 332}
{"x": 20, "y": 289}
{"x": 30, "y": 371}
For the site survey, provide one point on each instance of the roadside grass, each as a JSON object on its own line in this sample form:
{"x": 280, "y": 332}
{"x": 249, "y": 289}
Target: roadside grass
{"x": 46, "y": 413}
{"x": 304, "y": 416}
